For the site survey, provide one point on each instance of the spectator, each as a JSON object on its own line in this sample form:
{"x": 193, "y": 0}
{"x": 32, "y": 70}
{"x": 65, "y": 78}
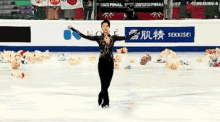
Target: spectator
{"x": 69, "y": 14}
{"x": 88, "y": 5}
{"x": 189, "y": 8}
{"x": 53, "y": 10}
{"x": 131, "y": 14}
{"x": 39, "y": 9}
{"x": 79, "y": 11}
{"x": 68, "y": 6}
{"x": 73, "y": 9}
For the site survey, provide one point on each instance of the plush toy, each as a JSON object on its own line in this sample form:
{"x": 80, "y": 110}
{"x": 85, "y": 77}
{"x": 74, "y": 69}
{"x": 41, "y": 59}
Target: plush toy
{"x": 39, "y": 56}
{"x": 116, "y": 65}
{"x": 161, "y": 60}
{"x": 92, "y": 58}
{"x": 21, "y": 75}
{"x": 168, "y": 52}
{"x": 61, "y": 57}
{"x": 200, "y": 59}
{"x": 15, "y": 64}
{"x": 117, "y": 58}
{"x": 146, "y": 58}
{"x": 132, "y": 60}
{"x": 211, "y": 63}
{"x": 172, "y": 64}
{"x": 73, "y": 61}
{"x": 173, "y": 54}
{"x": 122, "y": 50}
{"x": 31, "y": 58}
{"x": 128, "y": 66}
{"x": 46, "y": 54}
{"x": 183, "y": 62}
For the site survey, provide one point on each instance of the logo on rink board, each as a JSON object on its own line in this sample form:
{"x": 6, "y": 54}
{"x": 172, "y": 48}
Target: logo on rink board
{"x": 69, "y": 33}
{"x": 161, "y": 34}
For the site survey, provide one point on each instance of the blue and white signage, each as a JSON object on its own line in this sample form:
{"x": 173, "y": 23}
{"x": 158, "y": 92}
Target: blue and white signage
{"x": 161, "y": 34}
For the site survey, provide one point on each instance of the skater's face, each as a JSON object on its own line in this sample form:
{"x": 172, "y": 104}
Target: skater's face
{"x": 105, "y": 28}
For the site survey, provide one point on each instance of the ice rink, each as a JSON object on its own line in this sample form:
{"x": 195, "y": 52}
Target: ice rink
{"x": 55, "y": 91}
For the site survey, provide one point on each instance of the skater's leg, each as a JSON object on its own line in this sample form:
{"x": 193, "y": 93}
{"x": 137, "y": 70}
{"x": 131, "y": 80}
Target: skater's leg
{"x": 105, "y": 72}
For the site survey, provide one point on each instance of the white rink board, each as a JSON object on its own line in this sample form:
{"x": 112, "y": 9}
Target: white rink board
{"x": 51, "y": 33}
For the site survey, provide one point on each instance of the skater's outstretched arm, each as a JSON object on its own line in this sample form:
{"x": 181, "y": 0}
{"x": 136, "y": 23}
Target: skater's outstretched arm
{"x": 92, "y": 38}
{"x": 120, "y": 38}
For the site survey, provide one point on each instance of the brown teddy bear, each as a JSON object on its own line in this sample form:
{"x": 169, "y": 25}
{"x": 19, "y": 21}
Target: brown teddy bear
{"x": 146, "y": 58}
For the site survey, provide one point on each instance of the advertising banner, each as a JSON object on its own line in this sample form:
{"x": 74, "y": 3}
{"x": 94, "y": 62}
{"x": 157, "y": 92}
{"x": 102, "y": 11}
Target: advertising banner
{"x": 161, "y": 34}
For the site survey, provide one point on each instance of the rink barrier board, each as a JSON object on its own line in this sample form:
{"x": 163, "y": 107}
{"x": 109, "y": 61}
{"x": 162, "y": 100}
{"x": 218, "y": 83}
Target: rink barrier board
{"x": 49, "y": 35}
{"x": 96, "y": 49}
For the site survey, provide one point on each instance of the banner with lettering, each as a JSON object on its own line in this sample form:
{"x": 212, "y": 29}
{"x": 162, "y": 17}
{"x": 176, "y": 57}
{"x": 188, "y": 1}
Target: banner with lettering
{"x": 161, "y": 34}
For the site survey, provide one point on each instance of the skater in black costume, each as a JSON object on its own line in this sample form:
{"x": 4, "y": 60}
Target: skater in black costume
{"x": 106, "y": 61}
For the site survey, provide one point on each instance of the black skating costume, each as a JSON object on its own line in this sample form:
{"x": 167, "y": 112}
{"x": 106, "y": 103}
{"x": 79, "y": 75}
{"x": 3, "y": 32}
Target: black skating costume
{"x": 106, "y": 62}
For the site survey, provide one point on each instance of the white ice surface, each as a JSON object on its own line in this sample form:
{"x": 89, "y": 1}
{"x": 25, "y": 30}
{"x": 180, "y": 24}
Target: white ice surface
{"x": 54, "y": 91}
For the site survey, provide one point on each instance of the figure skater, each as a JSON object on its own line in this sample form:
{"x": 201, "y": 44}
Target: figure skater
{"x": 106, "y": 61}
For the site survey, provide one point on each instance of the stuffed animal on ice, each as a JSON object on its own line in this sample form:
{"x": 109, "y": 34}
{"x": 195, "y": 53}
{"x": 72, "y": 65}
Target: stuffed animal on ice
{"x": 213, "y": 51}
{"x": 24, "y": 58}
{"x": 6, "y": 54}
{"x": 117, "y": 58}
{"x": 184, "y": 63}
{"x": 92, "y": 58}
{"x": 2, "y": 59}
{"x": 75, "y": 61}
{"x": 132, "y": 60}
{"x": 128, "y": 66}
{"x": 12, "y": 57}
{"x": 161, "y": 60}
{"x": 21, "y": 75}
{"x": 79, "y": 58}
{"x": 46, "y": 54}
{"x": 172, "y": 64}
{"x": 166, "y": 53}
{"x": 61, "y": 57}
{"x": 22, "y": 52}
{"x": 31, "y": 58}
{"x": 146, "y": 58}
{"x": 214, "y": 62}
{"x": 39, "y": 56}
{"x": 200, "y": 59}
{"x": 122, "y": 50}
{"x": 15, "y": 64}
{"x": 116, "y": 65}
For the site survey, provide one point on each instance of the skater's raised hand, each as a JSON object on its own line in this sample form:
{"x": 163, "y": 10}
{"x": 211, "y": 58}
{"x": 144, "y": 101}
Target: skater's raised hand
{"x": 69, "y": 26}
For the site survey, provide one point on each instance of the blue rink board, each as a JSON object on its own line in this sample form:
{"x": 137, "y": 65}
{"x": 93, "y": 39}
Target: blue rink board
{"x": 96, "y": 49}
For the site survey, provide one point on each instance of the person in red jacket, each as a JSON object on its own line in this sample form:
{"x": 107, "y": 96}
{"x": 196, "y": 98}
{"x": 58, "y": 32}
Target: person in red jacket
{"x": 189, "y": 8}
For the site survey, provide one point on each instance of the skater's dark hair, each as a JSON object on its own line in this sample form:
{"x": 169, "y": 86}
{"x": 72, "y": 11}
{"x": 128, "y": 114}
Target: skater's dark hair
{"x": 105, "y": 21}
